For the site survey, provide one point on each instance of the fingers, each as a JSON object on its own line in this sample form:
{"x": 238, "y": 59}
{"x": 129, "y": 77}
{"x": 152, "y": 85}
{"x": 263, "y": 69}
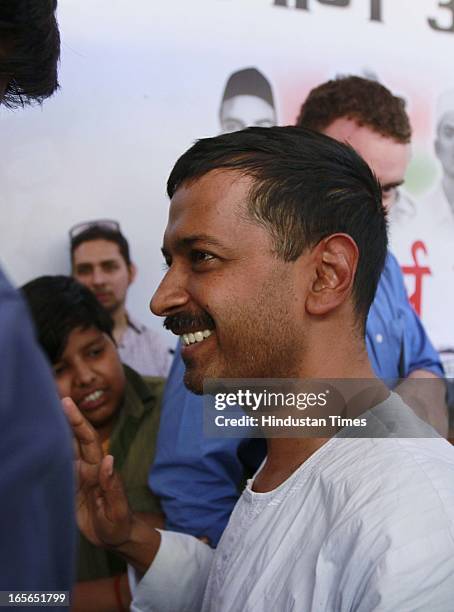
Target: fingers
{"x": 115, "y": 501}
{"x": 89, "y": 447}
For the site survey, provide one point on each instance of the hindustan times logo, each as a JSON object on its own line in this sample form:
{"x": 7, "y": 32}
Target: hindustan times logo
{"x": 251, "y": 400}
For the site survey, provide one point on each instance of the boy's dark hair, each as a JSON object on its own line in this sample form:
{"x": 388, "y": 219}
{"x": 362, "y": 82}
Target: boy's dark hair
{"x": 306, "y": 186}
{"x": 367, "y": 102}
{"x": 98, "y": 232}
{"x": 29, "y": 50}
{"x": 59, "y": 304}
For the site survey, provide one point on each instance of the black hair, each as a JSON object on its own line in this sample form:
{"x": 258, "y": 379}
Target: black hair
{"x": 29, "y": 50}
{"x": 98, "y": 232}
{"x": 59, "y": 304}
{"x": 306, "y": 186}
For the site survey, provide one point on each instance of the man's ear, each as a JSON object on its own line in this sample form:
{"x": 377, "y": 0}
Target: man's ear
{"x": 336, "y": 259}
{"x": 132, "y": 272}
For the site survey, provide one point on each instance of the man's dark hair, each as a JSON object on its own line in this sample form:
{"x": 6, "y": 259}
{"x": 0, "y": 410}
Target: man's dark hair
{"x": 365, "y": 101}
{"x": 59, "y": 304}
{"x": 98, "y": 232}
{"x": 306, "y": 186}
{"x": 29, "y": 50}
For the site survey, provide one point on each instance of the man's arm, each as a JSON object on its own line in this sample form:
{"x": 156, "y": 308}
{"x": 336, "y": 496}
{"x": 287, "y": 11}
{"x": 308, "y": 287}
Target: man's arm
{"x": 400, "y": 348}
{"x": 172, "y": 576}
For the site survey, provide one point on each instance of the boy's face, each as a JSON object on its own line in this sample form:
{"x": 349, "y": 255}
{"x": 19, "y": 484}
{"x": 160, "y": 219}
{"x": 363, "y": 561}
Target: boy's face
{"x": 89, "y": 371}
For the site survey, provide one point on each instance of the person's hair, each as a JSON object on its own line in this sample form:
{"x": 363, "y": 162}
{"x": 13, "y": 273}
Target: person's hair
{"x": 98, "y": 232}
{"x": 306, "y": 186}
{"x": 29, "y": 50}
{"x": 367, "y": 102}
{"x": 59, "y": 304}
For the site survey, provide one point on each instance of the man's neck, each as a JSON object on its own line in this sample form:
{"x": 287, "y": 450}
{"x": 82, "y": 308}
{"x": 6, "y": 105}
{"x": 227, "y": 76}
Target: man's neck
{"x": 286, "y": 455}
{"x": 120, "y": 319}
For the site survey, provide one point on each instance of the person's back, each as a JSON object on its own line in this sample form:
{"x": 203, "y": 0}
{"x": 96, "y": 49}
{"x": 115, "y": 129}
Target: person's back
{"x": 36, "y": 483}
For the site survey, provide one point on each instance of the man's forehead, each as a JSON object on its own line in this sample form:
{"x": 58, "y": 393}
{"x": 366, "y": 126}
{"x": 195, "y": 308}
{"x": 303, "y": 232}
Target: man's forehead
{"x": 447, "y": 120}
{"x": 216, "y": 200}
{"x": 387, "y": 157}
{"x": 98, "y": 249}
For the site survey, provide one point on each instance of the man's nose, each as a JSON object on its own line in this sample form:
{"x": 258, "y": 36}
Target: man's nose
{"x": 98, "y": 277}
{"x": 170, "y": 295}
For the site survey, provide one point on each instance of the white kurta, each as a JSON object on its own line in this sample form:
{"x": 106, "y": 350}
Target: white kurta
{"x": 364, "y": 524}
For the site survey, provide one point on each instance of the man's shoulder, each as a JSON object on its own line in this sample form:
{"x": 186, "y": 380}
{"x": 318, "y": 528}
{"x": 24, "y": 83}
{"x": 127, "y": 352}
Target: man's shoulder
{"x": 393, "y": 476}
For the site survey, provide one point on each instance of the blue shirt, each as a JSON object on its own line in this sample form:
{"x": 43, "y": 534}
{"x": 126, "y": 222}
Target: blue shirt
{"x": 198, "y": 478}
{"x": 37, "y": 519}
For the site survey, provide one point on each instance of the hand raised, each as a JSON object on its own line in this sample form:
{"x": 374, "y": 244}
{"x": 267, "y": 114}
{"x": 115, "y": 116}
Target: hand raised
{"x": 103, "y": 513}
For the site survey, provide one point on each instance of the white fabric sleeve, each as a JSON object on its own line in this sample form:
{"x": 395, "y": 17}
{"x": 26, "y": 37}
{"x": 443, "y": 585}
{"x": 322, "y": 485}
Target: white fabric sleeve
{"x": 176, "y": 580}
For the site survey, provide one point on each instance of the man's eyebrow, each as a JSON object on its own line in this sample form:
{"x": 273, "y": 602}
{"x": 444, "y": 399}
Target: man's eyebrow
{"x": 188, "y": 241}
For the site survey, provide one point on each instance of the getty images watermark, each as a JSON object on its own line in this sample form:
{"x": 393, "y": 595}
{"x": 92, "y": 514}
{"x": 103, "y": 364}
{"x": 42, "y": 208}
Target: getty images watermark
{"x": 310, "y": 408}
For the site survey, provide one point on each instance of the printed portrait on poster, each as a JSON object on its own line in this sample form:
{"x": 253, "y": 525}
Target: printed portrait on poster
{"x": 247, "y": 101}
{"x": 422, "y": 237}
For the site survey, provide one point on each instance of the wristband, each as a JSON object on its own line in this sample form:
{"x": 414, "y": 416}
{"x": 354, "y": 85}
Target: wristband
{"x": 117, "y": 580}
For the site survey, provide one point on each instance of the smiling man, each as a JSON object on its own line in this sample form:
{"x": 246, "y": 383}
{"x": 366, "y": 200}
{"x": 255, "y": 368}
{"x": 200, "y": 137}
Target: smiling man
{"x": 275, "y": 243}
{"x": 197, "y": 478}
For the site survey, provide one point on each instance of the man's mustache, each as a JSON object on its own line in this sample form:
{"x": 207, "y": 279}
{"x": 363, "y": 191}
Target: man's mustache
{"x": 185, "y": 323}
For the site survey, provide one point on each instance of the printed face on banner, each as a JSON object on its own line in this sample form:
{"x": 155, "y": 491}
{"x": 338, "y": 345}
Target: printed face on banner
{"x": 246, "y": 111}
{"x": 237, "y": 307}
{"x": 444, "y": 143}
{"x": 387, "y": 158}
{"x": 247, "y": 101}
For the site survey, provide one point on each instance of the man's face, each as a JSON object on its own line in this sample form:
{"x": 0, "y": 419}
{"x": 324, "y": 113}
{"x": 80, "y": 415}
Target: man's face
{"x": 89, "y": 371}
{"x": 386, "y": 157}
{"x": 241, "y": 112}
{"x": 99, "y": 265}
{"x": 444, "y": 143}
{"x": 237, "y": 307}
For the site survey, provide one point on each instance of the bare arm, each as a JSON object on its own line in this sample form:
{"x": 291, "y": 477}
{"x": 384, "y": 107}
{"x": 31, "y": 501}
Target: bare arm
{"x": 101, "y": 595}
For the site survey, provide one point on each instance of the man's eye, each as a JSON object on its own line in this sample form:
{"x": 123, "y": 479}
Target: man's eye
{"x": 199, "y": 257}
{"x": 83, "y": 271}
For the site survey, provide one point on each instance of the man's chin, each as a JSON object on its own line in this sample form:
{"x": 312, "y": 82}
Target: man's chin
{"x": 193, "y": 381}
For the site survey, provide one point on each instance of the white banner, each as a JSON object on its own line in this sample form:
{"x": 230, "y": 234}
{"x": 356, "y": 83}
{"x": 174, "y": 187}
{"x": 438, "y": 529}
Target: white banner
{"x": 140, "y": 82}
